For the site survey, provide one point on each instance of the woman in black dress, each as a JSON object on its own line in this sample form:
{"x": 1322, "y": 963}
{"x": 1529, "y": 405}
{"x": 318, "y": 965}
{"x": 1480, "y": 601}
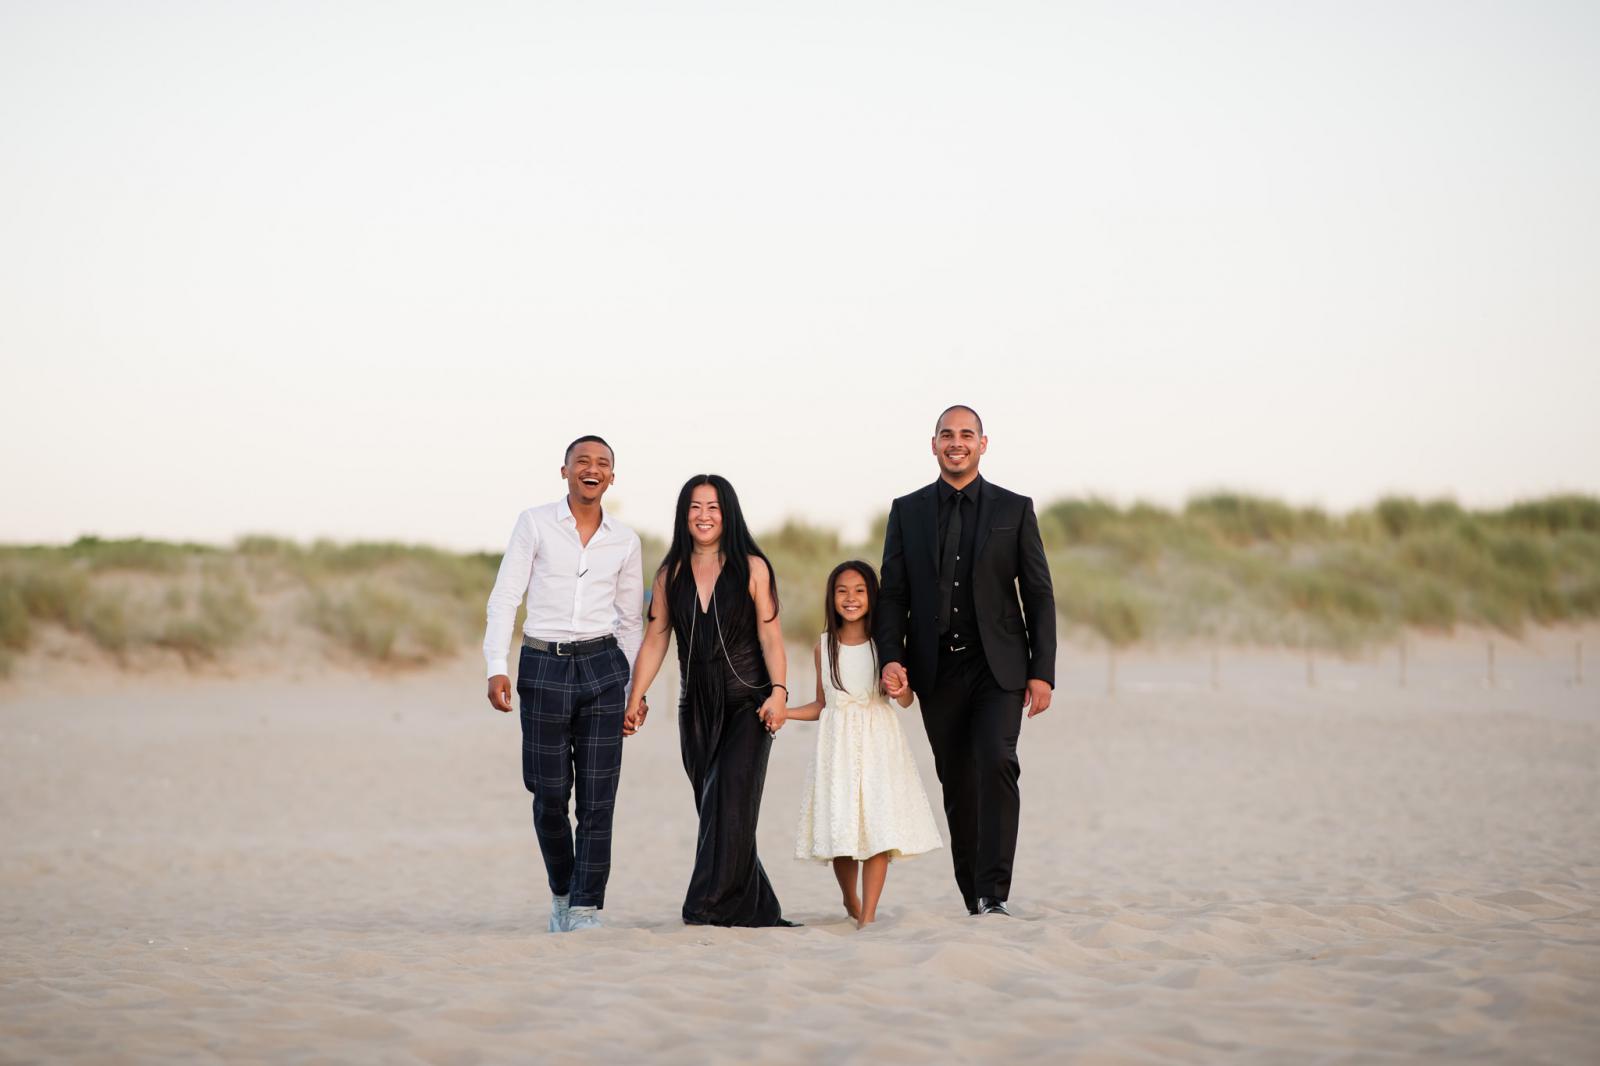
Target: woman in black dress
{"x": 716, "y": 592}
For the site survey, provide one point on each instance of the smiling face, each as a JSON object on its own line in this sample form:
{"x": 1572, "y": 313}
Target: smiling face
{"x": 588, "y": 471}
{"x": 850, "y": 600}
{"x": 957, "y": 444}
{"x": 705, "y": 517}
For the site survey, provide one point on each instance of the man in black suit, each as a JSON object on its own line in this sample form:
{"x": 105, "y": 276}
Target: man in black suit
{"x": 967, "y": 618}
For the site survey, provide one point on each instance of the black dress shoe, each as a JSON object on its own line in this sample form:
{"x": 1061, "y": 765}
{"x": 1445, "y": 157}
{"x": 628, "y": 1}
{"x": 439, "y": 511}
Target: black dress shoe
{"x": 993, "y": 906}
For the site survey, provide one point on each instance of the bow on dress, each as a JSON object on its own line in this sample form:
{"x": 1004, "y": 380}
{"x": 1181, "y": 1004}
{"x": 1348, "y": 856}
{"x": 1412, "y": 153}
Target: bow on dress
{"x": 845, "y": 701}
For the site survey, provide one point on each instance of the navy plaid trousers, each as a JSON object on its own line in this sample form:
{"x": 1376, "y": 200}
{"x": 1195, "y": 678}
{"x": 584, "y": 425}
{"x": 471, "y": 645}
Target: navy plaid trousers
{"x": 572, "y": 707}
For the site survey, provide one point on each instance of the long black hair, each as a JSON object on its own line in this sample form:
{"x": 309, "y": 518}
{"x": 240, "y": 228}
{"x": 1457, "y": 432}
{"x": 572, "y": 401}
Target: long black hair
{"x": 836, "y": 621}
{"x": 736, "y": 547}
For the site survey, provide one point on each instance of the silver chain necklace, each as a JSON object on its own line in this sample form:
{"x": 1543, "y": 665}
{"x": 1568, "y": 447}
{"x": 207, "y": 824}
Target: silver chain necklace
{"x": 716, "y": 618}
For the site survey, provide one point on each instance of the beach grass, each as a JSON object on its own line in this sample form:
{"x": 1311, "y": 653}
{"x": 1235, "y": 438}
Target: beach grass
{"x": 1226, "y": 567}
{"x": 1242, "y": 568}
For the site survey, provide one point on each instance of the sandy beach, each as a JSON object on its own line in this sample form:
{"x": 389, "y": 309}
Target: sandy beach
{"x": 340, "y": 866}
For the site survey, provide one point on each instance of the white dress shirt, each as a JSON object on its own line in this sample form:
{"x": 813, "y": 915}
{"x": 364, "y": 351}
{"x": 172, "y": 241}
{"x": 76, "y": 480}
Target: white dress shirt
{"x": 574, "y": 592}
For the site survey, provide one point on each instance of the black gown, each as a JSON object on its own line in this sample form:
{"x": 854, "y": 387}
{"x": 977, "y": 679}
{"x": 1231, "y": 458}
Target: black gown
{"x": 725, "y": 748}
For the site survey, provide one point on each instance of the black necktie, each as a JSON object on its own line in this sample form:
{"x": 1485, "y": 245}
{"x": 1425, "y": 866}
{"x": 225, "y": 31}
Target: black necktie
{"x": 947, "y": 560}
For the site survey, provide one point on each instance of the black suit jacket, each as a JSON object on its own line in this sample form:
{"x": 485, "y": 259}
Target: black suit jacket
{"x": 1010, "y": 588}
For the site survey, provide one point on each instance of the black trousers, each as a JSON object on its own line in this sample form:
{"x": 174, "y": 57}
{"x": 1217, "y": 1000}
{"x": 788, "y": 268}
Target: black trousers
{"x": 972, "y": 726}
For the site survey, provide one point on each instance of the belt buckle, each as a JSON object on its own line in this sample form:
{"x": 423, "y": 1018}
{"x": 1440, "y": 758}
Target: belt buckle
{"x": 560, "y": 644}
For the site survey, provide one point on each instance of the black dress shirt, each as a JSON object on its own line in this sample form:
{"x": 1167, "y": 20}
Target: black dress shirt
{"x": 963, "y": 616}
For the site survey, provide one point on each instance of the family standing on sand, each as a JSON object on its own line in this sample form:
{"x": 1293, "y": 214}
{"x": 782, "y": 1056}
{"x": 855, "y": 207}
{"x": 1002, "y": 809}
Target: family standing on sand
{"x": 963, "y": 616}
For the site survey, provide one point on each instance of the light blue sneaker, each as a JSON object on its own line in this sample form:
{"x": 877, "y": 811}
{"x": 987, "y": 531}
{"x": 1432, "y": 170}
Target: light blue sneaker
{"x": 558, "y": 913}
{"x": 582, "y": 918}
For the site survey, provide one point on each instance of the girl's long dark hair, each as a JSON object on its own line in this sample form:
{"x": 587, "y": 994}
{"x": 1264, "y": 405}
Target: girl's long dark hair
{"x": 836, "y": 621}
{"x": 737, "y": 544}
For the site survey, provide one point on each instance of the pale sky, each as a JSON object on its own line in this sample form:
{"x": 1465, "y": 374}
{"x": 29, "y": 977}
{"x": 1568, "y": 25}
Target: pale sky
{"x": 362, "y": 270}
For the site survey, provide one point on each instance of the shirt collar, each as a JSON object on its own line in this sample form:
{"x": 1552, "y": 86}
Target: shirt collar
{"x": 973, "y": 490}
{"x": 564, "y": 514}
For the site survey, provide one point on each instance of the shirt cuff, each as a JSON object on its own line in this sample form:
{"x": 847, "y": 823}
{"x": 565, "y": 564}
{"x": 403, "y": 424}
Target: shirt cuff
{"x": 497, "y": 667}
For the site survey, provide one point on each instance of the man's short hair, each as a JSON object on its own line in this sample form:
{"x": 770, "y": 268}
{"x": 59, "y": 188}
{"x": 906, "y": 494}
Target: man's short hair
{"x": 958, "y": 407}
{"x": 567, "y": 455}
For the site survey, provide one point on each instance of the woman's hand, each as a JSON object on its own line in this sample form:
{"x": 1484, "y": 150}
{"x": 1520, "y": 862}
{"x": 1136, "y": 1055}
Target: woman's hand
{"x": 657, "y": 628}
{"x": 775, "y": 711}
{"x": 633, "y": 718}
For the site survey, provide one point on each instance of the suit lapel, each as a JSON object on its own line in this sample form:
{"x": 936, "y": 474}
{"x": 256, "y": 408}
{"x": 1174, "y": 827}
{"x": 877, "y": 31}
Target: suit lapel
{"x": 984, "y": 518}
{"x": 930, "y": 524}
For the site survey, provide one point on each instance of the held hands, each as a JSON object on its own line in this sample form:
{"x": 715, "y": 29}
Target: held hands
{"x": 775, "y": 711}
{"x": 895, "y": 680}
{"x": 1037, "y": 700}
{"x": 633, "y": 718}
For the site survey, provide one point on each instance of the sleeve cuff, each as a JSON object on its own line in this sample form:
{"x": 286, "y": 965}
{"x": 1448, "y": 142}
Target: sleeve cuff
{"x": 498, "y": 667}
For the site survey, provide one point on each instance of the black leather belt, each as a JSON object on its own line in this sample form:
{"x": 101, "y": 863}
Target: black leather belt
{"x": 570, "y": 647}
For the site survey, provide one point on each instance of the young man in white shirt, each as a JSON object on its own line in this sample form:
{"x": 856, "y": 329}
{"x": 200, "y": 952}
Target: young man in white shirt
{"x": 580, "y": 572}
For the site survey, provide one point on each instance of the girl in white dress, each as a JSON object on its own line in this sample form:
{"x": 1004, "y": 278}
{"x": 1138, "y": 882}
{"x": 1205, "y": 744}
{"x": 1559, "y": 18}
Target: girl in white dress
{"x": 864, "y": 803}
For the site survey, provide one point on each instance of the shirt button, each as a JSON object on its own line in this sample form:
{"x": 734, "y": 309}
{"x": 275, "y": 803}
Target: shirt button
{"x": 958, "y": 584}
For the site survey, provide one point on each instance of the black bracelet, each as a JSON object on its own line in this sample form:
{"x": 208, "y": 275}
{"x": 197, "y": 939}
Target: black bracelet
{"x": 780, "y": 684}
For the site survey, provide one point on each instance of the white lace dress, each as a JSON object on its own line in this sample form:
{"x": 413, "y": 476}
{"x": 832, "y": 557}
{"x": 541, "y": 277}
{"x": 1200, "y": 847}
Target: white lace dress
{"x": 863, "y": 794}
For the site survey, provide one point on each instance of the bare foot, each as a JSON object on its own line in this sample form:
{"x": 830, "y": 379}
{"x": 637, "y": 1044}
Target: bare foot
{"x": 852, "y": 907}
{"x": 864, "y": 921}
